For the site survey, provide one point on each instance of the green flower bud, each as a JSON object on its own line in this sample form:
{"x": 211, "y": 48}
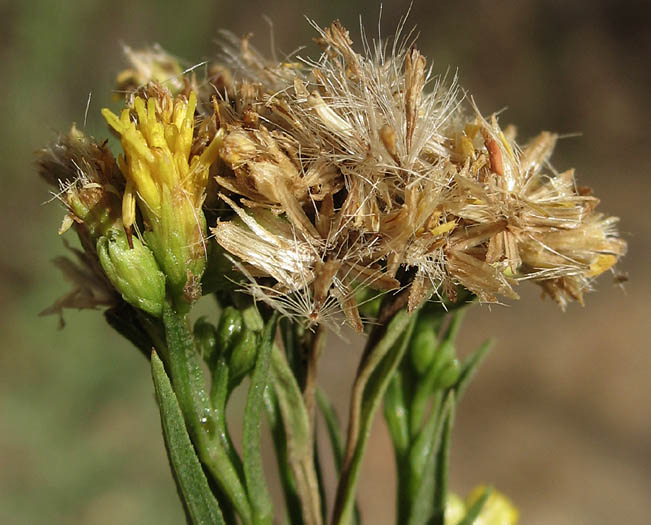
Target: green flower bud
{"x": 422, "y": 349}
{"x": 252, "y": 319}
{"x": 205, "y": 336}
{"x": 369, "y": 302}
{"x": 424, "y": 344}
{"x": 242, "y": 359}
{"x": 230, "y": 326}
{"x": 132, "y": 271}
{"x": 443, "y": 354}
{"x": 449, "y": 374}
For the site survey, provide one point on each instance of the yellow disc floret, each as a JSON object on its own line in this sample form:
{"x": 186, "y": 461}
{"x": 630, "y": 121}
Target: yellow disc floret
{"x": 166, "y": 182}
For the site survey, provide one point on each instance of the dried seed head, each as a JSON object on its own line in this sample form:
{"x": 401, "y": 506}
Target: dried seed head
{"x": 366, "y": 164}
{"x": 87, "y": 182}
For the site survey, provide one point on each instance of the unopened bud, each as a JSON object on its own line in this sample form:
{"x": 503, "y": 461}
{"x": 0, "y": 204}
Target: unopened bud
{"x": 423, "y": 343}
{"x": 242, "y": 358}
{"x": 449, "y": 374}
{"x": 205, "y": 336}
{"x": 132, "y": 271}
{"x": 230, "y": 326}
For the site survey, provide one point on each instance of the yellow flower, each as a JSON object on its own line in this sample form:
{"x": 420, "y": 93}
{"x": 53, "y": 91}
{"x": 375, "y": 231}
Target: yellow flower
{"x": 498, "y": 509}
{"x": 167, "y": 183}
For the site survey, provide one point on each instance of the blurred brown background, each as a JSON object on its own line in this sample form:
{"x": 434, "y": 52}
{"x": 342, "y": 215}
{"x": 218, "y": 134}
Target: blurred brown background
{"x": 559, "y": 416}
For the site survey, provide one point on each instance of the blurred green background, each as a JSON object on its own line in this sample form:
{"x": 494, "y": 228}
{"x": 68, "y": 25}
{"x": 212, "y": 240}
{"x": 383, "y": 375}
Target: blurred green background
{"x": 559, "y": 417}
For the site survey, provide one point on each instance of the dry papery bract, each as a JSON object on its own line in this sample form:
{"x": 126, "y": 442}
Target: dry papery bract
{"x": 88, "y": 183}
{"x": 366, "y": 171}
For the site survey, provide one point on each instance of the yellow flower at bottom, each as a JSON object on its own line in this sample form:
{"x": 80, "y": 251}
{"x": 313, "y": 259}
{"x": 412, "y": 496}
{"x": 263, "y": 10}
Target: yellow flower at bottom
{"x": 498, "y": 509}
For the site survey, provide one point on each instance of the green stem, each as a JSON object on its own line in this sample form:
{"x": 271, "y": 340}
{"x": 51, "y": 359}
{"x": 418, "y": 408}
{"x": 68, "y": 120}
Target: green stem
{"x": 392, "y": 343}
{"x": 189, "y": 387}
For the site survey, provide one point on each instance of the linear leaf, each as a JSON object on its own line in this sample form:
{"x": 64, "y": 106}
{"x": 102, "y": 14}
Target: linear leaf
{"x": 199, "y": 502}
{"x": 333, "y": 427}
{"x": 423, "y": 505}
{"x": 372, "y": 379}
{"x": 262, "y": 512}
{"x": 292, "y": 502}
{"x": 441, "y": 474}
{"x": 470, "y": 367}
{"x": 299, "y": 441}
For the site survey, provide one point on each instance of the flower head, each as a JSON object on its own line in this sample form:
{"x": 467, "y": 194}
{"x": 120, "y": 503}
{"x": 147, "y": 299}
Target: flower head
{"x": 166, "y": 181}
{"x": 364, "y": 170}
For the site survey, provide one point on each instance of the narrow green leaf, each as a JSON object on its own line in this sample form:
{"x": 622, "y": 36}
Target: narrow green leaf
{"x": 319, "y": 476}
{"x": 336, "y": 437}
{"x": 442, "y": 471}
{"x": 372, "y": 380}
{"x": 218, "y": 398}
{"x": 333, "y": 427}
{"x": 199, "y": 502}
{"x": 299, "y": 437}
{"x": 262, "y": 512}
{"x": 292, "y": 502}
{"x": 475, "y": 509}
{"x": 289, "y": 331}
{"x": 422, "y": 504}
{"x": 424, "y": 443}
{"x": 470, "y": 367}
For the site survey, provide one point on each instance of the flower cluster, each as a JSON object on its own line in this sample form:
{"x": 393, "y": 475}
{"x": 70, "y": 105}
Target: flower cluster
{"x": 323, "y": 179}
